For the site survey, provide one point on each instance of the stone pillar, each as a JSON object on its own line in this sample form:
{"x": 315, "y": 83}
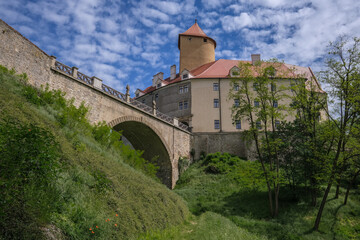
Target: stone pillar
{"x": 53, "y": 61}
{"x": 176, "y": 122}
{"x": 74, "y": 72}
{"x": 127, "y": 95}
{"x": 154, "y": 107}
{"x": 97, "y": 82}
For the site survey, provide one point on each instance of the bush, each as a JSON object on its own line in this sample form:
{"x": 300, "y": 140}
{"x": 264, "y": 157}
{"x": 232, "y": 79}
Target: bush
{"x": 220, "y": 162}
{"x": 29, "y": 161}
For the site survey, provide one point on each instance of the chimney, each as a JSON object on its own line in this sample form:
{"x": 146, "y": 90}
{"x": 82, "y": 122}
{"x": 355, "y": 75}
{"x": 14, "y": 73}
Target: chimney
{"x": 255, "y": 58}
{"x": 160, "y": 75}
{"x": 173, "y": 72}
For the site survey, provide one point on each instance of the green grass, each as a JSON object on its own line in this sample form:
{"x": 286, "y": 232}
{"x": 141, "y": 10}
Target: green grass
{"x": 93, "y": 184}
{"x": 248, "y": 209}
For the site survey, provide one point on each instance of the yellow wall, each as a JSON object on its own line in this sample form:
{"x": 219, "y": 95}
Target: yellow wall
{"x": 195, "y": 52}
{"x": 204, "y": 113}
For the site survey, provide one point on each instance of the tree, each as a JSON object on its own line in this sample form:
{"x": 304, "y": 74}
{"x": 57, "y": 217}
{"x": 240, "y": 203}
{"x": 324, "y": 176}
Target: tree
{"x": 258, "y": 98}
{"x": 342, "y": 77}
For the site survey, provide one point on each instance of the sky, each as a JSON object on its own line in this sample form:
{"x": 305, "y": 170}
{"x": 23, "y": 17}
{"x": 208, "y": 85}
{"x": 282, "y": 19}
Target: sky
{"x": 127, "y": 42}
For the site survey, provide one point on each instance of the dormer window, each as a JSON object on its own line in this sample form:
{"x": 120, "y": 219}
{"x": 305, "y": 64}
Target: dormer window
{"x": 137, "y": 95}
{"x": 235, "y": 71}
{"x": 158, "y": 85}
{"x": 185, "y": 74}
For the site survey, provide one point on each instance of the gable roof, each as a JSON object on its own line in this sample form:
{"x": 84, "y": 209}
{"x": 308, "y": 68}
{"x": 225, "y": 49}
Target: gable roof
{"x": 221, "y": 69}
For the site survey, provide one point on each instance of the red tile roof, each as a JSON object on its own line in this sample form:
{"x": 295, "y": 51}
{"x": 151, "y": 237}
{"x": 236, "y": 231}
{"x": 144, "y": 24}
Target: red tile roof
{"x": 221, "y": 69}
{"x": 195, "y": 31}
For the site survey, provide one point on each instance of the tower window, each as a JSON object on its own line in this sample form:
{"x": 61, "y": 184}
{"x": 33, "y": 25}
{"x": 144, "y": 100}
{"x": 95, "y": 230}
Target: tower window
{"x": 258, "y": 125}
{"x": 217, "y": 124}
{"x": 238, "y": 124}
{"x": 237, "y": 102}
{"x": 205, "y": 40}
{"x": 189, "y": 38}
{"x": 215, "y": 86}
{"x": 186, "y": 88}
{"x": 216, "y": 103}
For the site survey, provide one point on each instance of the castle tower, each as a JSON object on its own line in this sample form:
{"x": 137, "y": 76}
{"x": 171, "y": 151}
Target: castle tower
{"x": 196, "y": 48}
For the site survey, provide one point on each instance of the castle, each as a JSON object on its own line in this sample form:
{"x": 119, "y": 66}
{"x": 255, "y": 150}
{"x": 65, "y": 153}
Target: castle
{"x": 198, "y": 95}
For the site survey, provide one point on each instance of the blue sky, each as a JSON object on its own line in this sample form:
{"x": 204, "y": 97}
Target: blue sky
{"x": 127, "y": 42}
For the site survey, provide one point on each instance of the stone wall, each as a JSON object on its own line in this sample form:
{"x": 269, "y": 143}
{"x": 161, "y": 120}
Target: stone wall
{"x": 233, "y": 143}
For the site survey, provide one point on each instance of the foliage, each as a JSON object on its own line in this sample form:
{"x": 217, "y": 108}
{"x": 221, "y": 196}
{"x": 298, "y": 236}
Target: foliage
{"x": 259, "y": 106}
{"x": 183, "y": 163}
{"x": 220, "y": 162}
{"x": 247, "y": 207}
{"x": 94, "y": 184}
{"x": 30, "y": 162}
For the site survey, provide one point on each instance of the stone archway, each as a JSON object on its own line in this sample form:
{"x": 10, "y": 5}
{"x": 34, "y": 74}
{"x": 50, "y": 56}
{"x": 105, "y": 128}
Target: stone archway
{"x": 143, "y": 136}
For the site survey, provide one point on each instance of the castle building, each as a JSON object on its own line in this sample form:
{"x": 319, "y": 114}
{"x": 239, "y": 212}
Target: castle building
{"x": 198, "y": 95}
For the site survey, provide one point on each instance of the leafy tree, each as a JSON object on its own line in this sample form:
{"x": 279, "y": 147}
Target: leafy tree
{"x": 342, "y": 76}
{"x": 258, "y": 96}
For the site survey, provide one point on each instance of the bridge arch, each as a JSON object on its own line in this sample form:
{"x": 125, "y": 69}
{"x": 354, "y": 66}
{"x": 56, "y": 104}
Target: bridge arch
{"x": 145, "y": 136}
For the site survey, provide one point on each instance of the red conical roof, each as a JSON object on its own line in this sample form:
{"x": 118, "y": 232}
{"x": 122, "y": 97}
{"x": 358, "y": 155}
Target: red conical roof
{"x": 195, "y": 31}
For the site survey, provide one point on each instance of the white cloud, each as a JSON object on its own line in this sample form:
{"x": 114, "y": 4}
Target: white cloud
{"x": 233, "y": 23}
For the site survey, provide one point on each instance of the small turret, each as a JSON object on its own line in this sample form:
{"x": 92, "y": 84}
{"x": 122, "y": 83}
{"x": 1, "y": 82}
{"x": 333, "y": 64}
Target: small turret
{"x": 196, "y": 48}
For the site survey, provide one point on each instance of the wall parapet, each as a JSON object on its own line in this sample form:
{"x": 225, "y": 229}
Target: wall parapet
{"x": 94, "y": 82}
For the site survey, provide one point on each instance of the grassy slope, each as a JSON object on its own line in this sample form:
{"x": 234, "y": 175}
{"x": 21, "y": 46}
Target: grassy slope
{"x": 141, "y": 203}
{"x": 249, "y": 210}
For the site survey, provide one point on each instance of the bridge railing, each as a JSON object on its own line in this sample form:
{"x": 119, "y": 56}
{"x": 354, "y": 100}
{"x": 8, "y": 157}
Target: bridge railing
{"x": 96, "y": 82}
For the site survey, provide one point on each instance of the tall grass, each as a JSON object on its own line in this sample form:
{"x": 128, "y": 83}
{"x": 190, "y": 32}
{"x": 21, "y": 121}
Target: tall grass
{"x": 230, "y": 196}
{"x": 94, "y": 185}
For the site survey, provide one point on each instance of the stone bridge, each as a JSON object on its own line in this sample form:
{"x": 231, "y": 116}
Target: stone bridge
{"x": 146, "y": 128}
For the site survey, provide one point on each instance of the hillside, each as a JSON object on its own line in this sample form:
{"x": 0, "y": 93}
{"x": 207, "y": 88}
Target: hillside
{"x": 58, "y": 181}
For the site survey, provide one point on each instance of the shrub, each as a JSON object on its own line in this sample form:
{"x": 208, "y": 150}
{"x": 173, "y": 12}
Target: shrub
{"x": 220, "y": 162}
{"x": 29, "y": 161}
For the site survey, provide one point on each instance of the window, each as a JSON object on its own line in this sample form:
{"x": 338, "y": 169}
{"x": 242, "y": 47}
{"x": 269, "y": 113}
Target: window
{"x": 185, "y": 76}
{"x": 217, "y": 124}
{"x": 236, "y": 87}
{"x": 186, "y": 88}
{"x": 216, "y": 103}
{"x": 189, "y": 38}
{"x": 237, "y": 102}
{"x": 277, "y": 123}
{"x": 273, "y": 87}
{"x": 143, "y": 101}
{"x": 186, "y": 104}
{"x": 216, "y": 86}
{"x": 238, "y": 124}
{"x": 181, "y": 89}
{"x": 137, "y": 95}
{"x": 180, "y": 105}
{"x": 258, "y": 125}
{"x": 159, "y": 85}
{"x": 256, "y": 103}
{"x": 275, "y": 104}
{"x": 255, "y": 86}
{"x": 156, "y": 96}
{"x": 205, "y": 40}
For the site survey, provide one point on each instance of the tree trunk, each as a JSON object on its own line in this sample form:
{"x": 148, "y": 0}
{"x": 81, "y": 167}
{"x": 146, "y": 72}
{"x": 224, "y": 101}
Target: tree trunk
{"x": 337, "y": 189}
{"x": 322, "y": 205}
{"x": 349, "y": 186}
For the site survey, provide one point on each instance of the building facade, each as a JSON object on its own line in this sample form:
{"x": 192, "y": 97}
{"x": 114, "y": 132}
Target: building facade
{"x": 198, "y": 95}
